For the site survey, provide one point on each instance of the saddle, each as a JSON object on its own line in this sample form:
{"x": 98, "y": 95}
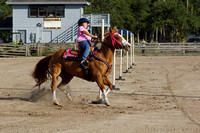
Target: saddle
{"x": 75, "y": 55}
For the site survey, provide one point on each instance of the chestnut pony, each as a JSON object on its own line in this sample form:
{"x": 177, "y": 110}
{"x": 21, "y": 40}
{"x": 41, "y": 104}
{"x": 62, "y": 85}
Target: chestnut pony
{"x": 55, "y": 65}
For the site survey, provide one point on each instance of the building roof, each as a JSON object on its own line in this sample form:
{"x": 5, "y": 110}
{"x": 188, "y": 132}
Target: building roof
{"x": 54, "y": 2}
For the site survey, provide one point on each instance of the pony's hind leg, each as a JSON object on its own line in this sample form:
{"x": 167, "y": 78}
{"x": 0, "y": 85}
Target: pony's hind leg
{"x": 55, "y": 72}
{"x": 66, "y": 78}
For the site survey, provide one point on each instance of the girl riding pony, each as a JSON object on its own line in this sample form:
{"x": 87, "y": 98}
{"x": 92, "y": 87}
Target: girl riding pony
{"x": 84, "y": 40}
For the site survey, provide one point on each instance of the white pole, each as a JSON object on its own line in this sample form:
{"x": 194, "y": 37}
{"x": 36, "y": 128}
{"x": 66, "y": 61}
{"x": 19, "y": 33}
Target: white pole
{"x": 102, "y": 30}
{"x": 127, "y": 55}
{"x": 113, "y": 77}
{"x": 120, "y": 68}
{"x": 133, "y": 51}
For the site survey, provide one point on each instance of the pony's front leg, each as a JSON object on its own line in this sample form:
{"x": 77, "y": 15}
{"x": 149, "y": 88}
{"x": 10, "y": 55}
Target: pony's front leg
{"x": 102, "y": 88}
{"x": 108, "y": 83}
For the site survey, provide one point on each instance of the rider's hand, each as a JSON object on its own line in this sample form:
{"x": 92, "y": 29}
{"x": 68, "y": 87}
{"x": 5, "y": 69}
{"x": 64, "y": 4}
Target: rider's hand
{"x": 95, "y": 36}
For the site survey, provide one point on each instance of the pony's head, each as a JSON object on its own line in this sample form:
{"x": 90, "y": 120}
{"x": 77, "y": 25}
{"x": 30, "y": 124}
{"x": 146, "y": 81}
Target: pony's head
{"x": 115, "y": 40}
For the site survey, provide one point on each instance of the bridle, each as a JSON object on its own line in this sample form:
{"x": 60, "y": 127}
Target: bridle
{"x": 113, "y": 39}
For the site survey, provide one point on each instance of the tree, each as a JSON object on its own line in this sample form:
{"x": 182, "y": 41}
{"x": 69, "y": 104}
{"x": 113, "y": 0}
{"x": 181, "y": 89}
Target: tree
{"x": 119, "y": 10}
{"x": 140, "y": 10}
{"x": 5, "y": 10}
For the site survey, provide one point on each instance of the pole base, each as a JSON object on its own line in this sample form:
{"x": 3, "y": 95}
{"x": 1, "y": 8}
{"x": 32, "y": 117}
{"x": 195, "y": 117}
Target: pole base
{"x": 120, "y": 78}
{"x": 127, "y": 71}
{"x": 113, "y": 88}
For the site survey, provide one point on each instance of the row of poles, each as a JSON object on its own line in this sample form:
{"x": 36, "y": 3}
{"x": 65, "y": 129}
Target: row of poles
{"x": 129, "y": 65}
{"x": 129, "y": 62}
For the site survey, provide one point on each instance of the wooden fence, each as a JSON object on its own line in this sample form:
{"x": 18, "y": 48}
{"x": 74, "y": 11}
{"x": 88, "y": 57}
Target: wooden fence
{"x": 157, "y": 48}
{"x": 10, "y": 50}
{"x": 31, "y": 49}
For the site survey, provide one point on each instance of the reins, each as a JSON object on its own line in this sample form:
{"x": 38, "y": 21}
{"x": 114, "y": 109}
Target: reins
{"x": 109, "y": 67}
{"x": 113, "y": 39}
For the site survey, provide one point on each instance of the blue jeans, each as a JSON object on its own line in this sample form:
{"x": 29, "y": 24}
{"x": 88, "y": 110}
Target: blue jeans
{"x": 85, "y": 46}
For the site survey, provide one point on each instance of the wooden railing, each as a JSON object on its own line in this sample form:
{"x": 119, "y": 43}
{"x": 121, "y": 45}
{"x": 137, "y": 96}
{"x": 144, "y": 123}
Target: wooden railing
{"x": 9, "y": 50}
{"x": 168, "y": 47}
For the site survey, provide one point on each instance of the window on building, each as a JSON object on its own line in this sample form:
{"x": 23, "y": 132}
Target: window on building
{"x": 33, "y": 12}
{"x": 51, "y": 11}
{"x": 46, "y": 11}
{"x": 42, "y": 12}
{"x": 60, "y": 11}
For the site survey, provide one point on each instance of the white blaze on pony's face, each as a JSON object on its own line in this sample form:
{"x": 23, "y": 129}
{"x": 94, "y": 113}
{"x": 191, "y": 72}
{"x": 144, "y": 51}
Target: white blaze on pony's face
{"x": 117, "y": 40}
{"x": 125, "y": 43}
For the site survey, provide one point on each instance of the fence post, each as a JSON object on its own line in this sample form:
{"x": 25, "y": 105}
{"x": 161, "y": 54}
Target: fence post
{"x": 27, "y": 51}
{"x": 38, "y": 49}
{"x": 183, "y": 47}
{"x": 157, "y": 45}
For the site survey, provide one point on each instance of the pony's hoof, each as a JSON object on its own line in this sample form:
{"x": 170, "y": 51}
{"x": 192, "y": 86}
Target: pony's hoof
{"x": 99, "y": 101}
{"x": 107, "y": 103}
{"x": 56, "y": 103}
{"x": 69, "y": 97}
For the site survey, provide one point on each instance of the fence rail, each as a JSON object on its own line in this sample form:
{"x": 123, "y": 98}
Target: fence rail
{"x": 168, "y": 47}
{"x": 9, "y": 50}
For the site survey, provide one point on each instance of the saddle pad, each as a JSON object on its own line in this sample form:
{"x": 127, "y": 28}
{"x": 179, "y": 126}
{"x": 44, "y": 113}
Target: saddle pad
{"x": 68, "y": 54}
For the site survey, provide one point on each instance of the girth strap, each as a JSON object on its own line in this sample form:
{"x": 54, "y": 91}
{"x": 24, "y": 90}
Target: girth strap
{"x": 109, "y": 67}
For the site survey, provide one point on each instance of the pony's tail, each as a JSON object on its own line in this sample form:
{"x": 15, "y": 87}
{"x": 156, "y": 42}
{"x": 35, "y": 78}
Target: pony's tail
{"x": 41, "y": 73}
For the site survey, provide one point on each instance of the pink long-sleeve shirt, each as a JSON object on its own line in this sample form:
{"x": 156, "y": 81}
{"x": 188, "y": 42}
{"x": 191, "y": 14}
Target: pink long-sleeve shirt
{"x": 82, "y": 36}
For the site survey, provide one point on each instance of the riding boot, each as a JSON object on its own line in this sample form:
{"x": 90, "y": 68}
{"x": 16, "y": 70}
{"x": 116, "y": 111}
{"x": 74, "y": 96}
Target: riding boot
{"x": 85, "y": 68}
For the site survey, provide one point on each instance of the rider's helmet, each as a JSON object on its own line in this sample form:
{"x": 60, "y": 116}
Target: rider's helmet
{"x": 82, "y": 20}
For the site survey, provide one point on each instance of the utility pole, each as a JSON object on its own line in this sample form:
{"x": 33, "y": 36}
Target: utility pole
{"x": 187, "y": 4}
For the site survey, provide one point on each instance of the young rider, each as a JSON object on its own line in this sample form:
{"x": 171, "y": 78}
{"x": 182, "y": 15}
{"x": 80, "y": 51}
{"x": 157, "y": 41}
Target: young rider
{"x": 84, "y": 40}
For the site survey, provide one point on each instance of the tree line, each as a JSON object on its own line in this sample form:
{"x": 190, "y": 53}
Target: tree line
{"x": 152, "y": 20}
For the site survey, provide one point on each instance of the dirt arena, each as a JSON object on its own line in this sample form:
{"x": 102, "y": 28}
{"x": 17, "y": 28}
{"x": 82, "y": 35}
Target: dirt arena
{"x": 161, "y": 94}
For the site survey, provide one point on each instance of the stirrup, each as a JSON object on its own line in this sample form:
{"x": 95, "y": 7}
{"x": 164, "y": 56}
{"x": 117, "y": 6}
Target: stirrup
{"x": 85, "y": 62}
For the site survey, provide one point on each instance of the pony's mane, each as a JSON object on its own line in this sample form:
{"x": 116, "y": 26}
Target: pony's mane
{"x": 111, "y": 31}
